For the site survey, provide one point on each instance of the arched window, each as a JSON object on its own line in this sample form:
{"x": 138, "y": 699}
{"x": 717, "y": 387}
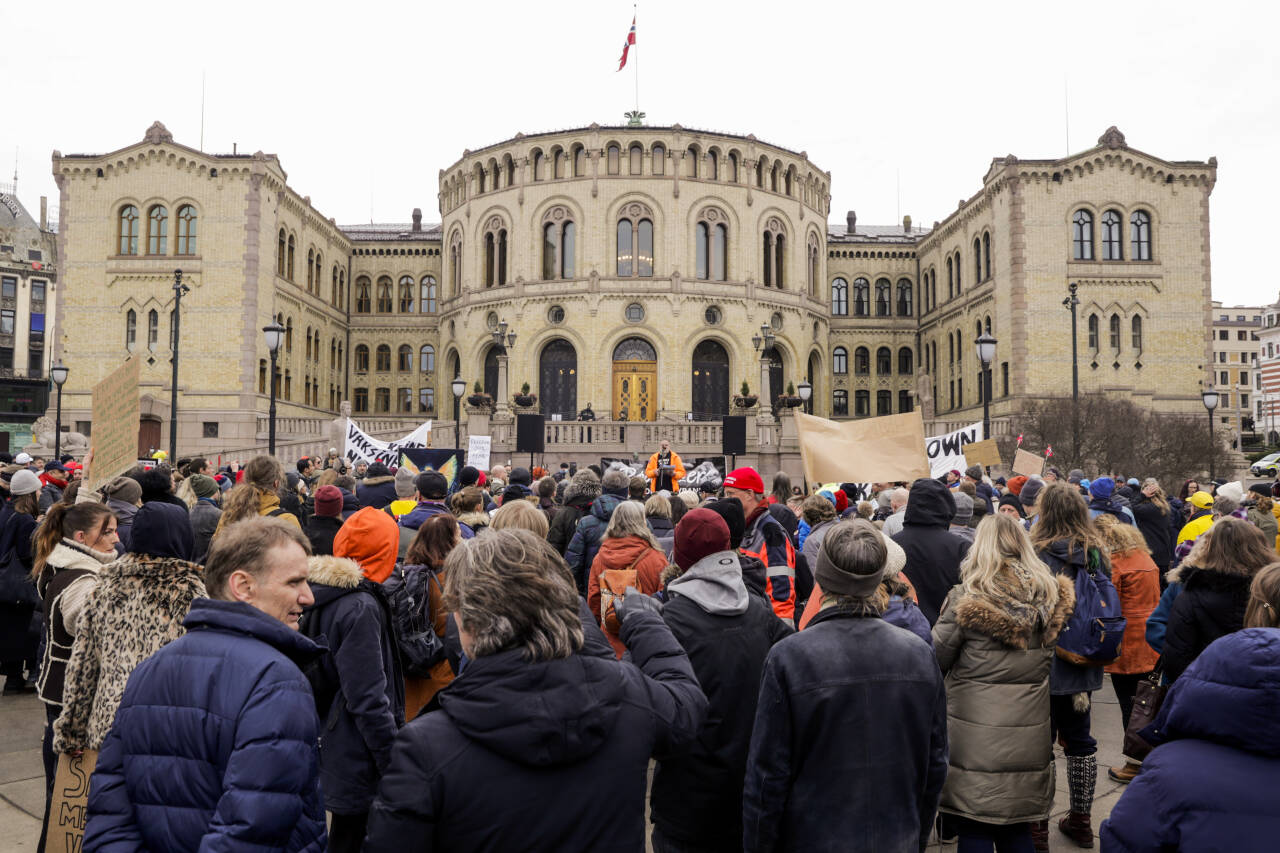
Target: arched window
{"x": 840, "y": 361}
{"x": 1082, "y": 236}
{"x": 862, "y": 361}
{"x": 1111, "y": 236}
{"x": 884, "y": 361}
{"x": 363, "y": 304}
{"x": 311, "y": 269}
{"x": 904, "y": 402}
{"x": 773, "y": 176}
{"x": 861, "y": 297}
{"x": 977, "y": 259}
{"x": 382, "y": 400}
{"x": 839, "y": 298}
{"x": 1136, "y": 327}
{"x": 288, "y": 335}
{"x": 986, "y": 255}
{"x": 131, "y": 330}
{"x": 711, "y": 238}
{"x": 153, "y": 329}
{"x": 535, "y": 163}
{"x": 840, "y": 403}
{"x": 905, "y": 359}
{"x": 362, "y": 359}
{"x": 426, "y": 400}
{"x": 319, "y": 267}
{"x": 481, "y": 179}
{"x": 427, "y": 359}
{"x": 129, "y": 230}
{"x": 509, "y": 166}
{"x": 614, "y": 154}
{"x": 383, "y": 359}
{"x": 288, "y": 267}
{"x": 760, "y": 172}
{"x": 187, "y": 230}
{"x": 428, "y": 294}
{"x": 1140, "y": 236}
{"x": 1115, "y": 331}
{"x": 281, "y": 243}
{"x": 904, "y": 297}
{"x": 558, "y": 237}
{"x": 158, "y": 230}
{"x": 455, "y": 264}
{"x": 406, "y": 294}
{"x": 882, "y": 297}
{"x": 951, "y": 279}
{"x": 774, "y": 254}
{"x": 384, "y": 294}
{"x": 812, "y": 267}
{"x": 691, "y": 157}
{"x": 958, "y": 268}
{"x": 495, "y": 253}
{"x": 789, "y": 179}
{"x": 579, "y": 161}
{"x": 1093, "y": 331}
{"x": 559, "y": 160}
{"x": 404, "y": 358}
{"x": 636, "y": 158}
{"x": 733, "y": 167}
{"x": 635, "y": 242}
{"x": 713, "y": 165}
{"x": 659, "y": 157}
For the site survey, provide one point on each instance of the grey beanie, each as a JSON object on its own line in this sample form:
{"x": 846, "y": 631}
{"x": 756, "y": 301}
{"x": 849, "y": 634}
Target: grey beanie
{"x": 964, "y": 509}
{"x": 24, "y": 482}
{"x": 404, "y": 482}
{"x": 1030, "y": 491}
{"x": 124, "y": 489}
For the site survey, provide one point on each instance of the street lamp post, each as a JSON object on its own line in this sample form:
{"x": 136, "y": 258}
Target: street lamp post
{"x": 458, "y": 388}
{"x": 986, "y": 345}
{"x": 59, "y": 375}
{"x": 178, "y": 289}
{"x": 1071, "y": 302}
{"x": 1210, "y": 399}
{"x": 274, "y": 334}
{"x": 805, "y": 390}
{"x": 763, "y": 343}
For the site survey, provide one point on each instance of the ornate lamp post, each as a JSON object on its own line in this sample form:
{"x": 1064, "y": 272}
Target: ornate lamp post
{"x": 458, "y": 387}
{"x": 1070, "y": 303}
{"x": 1209, "y": 396}
{"x": 274, "y": 334}
{"x": 986, "y": 345}
{"x": 763, "y": 343}
{"x": 58, "y": 373}
{"x": 178, "y": 289}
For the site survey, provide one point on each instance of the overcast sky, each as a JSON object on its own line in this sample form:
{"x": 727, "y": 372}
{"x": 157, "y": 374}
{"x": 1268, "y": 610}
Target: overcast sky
{"x": 904, "y": 103}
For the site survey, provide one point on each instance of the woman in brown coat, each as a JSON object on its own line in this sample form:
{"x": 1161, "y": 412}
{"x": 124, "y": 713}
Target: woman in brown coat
{"x": 437, "y": 536}
{"x": 627, "y": 544}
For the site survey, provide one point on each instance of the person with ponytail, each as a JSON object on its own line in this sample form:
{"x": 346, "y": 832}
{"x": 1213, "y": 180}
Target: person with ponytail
{"x": 17, "y": 523}
{"x": 256, "y": 494}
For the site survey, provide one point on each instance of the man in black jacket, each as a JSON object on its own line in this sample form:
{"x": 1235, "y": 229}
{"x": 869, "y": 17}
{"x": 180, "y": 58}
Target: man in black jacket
{"x": 933, "y": 554}
{"x": 696, "y": 801}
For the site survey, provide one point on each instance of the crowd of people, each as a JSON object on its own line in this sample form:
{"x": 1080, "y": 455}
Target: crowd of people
{"x": 358, "y": 658}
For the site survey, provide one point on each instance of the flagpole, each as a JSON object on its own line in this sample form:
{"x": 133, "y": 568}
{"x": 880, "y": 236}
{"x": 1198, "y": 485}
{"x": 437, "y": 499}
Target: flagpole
{"x": 637, "y": 74}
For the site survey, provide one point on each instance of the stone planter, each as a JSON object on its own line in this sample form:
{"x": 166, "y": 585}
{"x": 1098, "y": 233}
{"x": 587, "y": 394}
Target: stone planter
{"x": 525, "y": 401}
{"x": 746, "y": 402}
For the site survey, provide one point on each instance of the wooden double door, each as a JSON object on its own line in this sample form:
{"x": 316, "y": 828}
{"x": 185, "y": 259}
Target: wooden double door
{"x": 635, "y": 390}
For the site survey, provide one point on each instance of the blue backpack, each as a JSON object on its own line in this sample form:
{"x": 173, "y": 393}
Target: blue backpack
{"x": 1092, "y": 635}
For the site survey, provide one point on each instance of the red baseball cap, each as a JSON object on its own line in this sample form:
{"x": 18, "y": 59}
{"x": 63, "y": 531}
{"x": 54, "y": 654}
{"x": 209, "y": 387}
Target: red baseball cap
{"x": 746, "y": 479}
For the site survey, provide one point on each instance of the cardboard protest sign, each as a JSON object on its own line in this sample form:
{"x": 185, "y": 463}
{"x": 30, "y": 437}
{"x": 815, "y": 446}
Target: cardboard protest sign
{"x": 883, "y": 449}
{"x": 70, "y": 798}
{"x": 445, "y": 462}
{"x": 1028, "y": 463}
{"x": 479, "y": 448}
{"x": 983, "y": 452}
{"x": 947, "y": 452}
{"x": 115, "y": 424}
{"x": 362, "y": 447}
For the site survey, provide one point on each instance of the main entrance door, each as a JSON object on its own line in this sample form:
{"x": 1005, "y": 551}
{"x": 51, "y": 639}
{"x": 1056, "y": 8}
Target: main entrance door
{"x": 635, "y": 381}
{"x": 710, "y": 383}
{"x": 558, "y": 379}
{"x": 148, "y": 437}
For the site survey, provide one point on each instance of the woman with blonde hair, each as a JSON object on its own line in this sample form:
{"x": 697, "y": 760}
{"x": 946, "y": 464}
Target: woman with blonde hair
{"x": 627, "y": 546}
{"x": 994, "y": 641}
{"x": 1262, "y": 512}
{"x": 657, "y": 514}
{"x": 1151, "y": 511}
{"x": 521, "y": 514}
{"x": 256, "y": 495}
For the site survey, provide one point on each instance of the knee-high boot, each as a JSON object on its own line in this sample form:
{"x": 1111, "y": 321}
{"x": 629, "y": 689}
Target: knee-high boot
{"x": 1082, "y": 778}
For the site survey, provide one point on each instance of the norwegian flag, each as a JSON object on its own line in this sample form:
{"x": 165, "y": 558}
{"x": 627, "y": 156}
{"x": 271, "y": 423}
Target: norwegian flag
{"x": 1019, "y": 439}
{"x": 1048, "y": 451}
{"x": 626, "y": 45}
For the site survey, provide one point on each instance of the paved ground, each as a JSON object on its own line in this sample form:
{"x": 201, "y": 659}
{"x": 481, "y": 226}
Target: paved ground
{"x": 22, "y": 774}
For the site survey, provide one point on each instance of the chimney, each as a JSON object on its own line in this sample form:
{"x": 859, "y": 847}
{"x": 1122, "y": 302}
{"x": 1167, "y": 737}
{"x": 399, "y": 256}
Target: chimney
{"x": 851, "y": 221}
{"x": 44, "y": 213}
{"x": 906, "y": 224}
{"x": 417, "y": 219}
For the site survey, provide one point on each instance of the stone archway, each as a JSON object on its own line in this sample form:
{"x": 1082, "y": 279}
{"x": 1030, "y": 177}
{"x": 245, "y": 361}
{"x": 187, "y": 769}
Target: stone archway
{"x": 710, "y": 382}
{"x": 558, "y": 379}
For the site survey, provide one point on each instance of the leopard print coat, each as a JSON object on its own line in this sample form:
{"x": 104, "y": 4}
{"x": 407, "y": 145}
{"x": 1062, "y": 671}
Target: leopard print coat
{"x": 137, "y": 607}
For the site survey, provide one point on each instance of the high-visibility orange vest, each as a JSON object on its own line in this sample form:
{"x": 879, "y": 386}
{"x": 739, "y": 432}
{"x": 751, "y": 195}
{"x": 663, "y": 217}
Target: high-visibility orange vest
{"x": 785, "y": 610}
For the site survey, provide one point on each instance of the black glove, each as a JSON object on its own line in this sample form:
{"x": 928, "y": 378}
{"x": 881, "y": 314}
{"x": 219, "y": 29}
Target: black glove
{"x": 635, "y": 601}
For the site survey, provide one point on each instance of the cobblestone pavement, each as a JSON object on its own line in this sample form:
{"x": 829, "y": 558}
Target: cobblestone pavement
{"x": 22, "y": 774}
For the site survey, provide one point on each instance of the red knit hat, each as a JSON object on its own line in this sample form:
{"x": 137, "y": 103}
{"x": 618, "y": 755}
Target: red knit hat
{"x": 1016, "y": 484}
{"x": 699, "y": 533}
{"x": 372, "y": 539}
{"x": 329, "y": 501}
{"x": 746, "y": 479}
{"x": 842, "y": 501}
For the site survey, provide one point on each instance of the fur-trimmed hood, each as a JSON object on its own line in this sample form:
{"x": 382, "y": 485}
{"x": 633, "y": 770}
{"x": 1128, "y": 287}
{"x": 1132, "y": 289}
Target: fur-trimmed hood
{"x": 1192, "y": 576}
{"x": 334, "y": 571}
{"x": 475, "y": 520}
{"x": 1016, "y": 625}
{"x": 583, "y": 489}
{"x": 376, "y": 481}
{"x": 69, "y": 554}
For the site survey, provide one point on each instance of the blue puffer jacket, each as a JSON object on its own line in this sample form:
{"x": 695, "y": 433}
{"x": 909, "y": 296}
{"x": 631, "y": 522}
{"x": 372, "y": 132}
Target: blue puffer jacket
{"x": 1210, "y": 783}
{"x": 425, "y": 509}
{"x": 215, "y": 743}
{"x": 586, "y": 538}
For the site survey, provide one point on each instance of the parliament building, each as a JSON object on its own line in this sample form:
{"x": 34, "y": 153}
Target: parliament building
{"x": 646, "y": 272}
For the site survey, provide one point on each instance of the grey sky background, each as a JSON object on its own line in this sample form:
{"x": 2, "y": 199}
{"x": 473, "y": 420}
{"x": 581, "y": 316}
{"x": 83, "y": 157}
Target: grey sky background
{"x": 904, "y": 103}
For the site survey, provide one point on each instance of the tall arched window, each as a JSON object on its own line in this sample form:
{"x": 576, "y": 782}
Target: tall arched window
{"x": 481, "y": 179}
{"x": 559, "y": 160}
{"x": 1140, "y": 236}
{"x": 558, "y": 238}
{"x": 579, "y": 161}
{"x": 904, "y": 297}
{"x": 131, "y": 330}
{"x": 319, "y": 267}
{"x": 711, "y": 245}
{"x": 1136, "y": 327}
{"x": 383, "y": 359}
{"x": 905, "y": 360}
{"x": 986, "y": 255}
{"x": 495, "y": 253}
{"x": 773, "y": 176}
{"x": 839, "y": 298}
{"x": 428, "y": 294}
{"x": 360, "y": 400}
{"x": 1111, "y": 236}
{"x": 951, "y": 279}
{"x": 187, "y": 230}
{"x": 977, "y": 259}
{"x": 840, "y": 361}
{"x": 535, "y": 163}
{"x": 840, "y": 403}
{"x": 405, "y": 294}
{"x": 812, "y": 267}
{"x": 760, "y": 172}
{"x": 884, "y": 361}
{"x": 659, "y": 157}
{"x": 404, "y": 358}
{"x": 733, "y": 167}
{"x": 691, "y": 157}
{"x": 635, "y": 156}
{"x": 613, "y": 155}
{"x": 153, "y": 329}
{"x": 861, "y": 403}
{"x": 635, "y": 241}
{"x": 311, "y": 269}
{"x": 363, "y": 303}
{"x": 958, "y": 268}
{"x": 361, "y": 359}
{"x": 288, "y": 335}
{"x": 427, "y": 359}
{"x": 1082, "y": 236}
{"x": 774, "y": 254}
{"x": 455, "y": 264}
{"x": 281, "y": 245}
{"x": 713, "y": 165}
{"x": 861, "y": 297}
{"x": 288, "y": 267}
{"x": 862, "y": 361}
{"x": 1092, "y": 325}
{"x": 129, "y": 230}
{"x": 384, "y": 294}
{"x": 158, "y": 230}
{"x": 882, "y": 297}
{"x": 1115, "y": 331}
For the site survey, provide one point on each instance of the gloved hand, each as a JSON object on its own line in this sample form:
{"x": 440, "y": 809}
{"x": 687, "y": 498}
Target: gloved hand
{"x": 634, "y": 601}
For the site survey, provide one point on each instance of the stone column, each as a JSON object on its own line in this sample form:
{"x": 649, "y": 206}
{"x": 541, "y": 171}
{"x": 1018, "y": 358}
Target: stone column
{"x": 502, "y": 404}
{"x": 766, "y": 400}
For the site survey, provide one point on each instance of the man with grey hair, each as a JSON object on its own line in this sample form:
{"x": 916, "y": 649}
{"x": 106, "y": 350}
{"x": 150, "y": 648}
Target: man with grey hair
{"x": 898, "y": 506}
{"x": 582, "y": 548}
{"x": 826, "y": 762}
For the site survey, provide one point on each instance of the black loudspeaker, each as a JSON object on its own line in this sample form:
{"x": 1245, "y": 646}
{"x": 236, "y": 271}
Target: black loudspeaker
{"x": 735, "y": 435}
{"x": 530, "y": 435}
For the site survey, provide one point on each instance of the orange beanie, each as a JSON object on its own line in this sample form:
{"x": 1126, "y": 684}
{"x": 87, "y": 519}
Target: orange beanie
{"x": 372, "y": 539}
{"x": 1016, "y": 484}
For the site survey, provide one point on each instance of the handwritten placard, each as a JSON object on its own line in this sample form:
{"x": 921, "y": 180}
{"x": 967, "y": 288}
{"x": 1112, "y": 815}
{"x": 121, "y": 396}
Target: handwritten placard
{"x": 1028, "y": 463}
{"x": 115, "y": 424}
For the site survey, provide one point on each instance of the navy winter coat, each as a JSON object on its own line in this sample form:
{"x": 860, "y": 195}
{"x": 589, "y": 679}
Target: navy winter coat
{"x": 1154, "y": 525}
{"x": 377, "y": 492}
{"x": 425, "y": 509}
{"x": 1210, "y": 605}
{"x": 546, "y": 756}
{"x": 933, "y": 554}
{"x": 1066, "y": 678}
{"x": 215, "y": 743}
{"x": 1210, "y": 783}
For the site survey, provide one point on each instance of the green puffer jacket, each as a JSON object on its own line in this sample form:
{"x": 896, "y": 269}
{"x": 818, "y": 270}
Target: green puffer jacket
{"x": 1264, "y": 520}
{"x": 996, "y": 660}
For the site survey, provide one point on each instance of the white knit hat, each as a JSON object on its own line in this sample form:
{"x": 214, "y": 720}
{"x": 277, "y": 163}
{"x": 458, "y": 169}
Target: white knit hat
{"x": 24, "y": 482}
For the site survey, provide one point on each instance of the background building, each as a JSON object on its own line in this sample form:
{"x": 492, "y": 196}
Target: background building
{"x": 1235, "y": 360}
{"x": 1266, "y": 379}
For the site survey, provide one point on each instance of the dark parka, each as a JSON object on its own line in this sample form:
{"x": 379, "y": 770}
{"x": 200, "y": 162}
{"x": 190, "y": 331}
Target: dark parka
{"x": 320, "y": 531}
{"x": 582, "y": 549}
{"x": 1154, "y": 526}
{"x": 545, "y": 756}
{"x": 214, "y": 746}
{"x": 933, "y": 553}
{"x": 996, "y": 660}
{"x": 1211, "y": 604}
{"x": 352, "y": 618}
{"x": 1210, "y": 783}
{"x": 849, "y": 747}
{"x": 377, "y": 492}
{"x": 578, "y": 495}
{"x": 727, "y": 633}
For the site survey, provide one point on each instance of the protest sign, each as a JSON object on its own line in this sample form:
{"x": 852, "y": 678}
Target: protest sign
{"x": 478, "y": 450}
{"x": 883, "y": 449}
{"x": 983, "y": 452}
{"x": 947, "y": 452}
{"x": 362, "y": 447}
{"x": 628, "y": 467}
{"x": 445, "y": 462}
{"x": 706, "y": 471}
{"x": 1028, "y": 463}
{"x": 115, "y": 424}
{"x": 70, "y": 798}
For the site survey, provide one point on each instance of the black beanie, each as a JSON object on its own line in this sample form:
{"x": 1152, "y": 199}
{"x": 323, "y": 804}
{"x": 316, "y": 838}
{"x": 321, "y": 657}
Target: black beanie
{"x": 730, "y": 509}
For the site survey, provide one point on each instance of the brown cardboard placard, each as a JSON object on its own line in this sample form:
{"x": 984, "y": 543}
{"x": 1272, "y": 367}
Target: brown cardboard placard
{"x": 115, "y": 424}
{"x": 1026, "y": 462}
{"x": 983, "y": 452}
{"x": 883, "y": 449}
{"x": 70, "y": 802}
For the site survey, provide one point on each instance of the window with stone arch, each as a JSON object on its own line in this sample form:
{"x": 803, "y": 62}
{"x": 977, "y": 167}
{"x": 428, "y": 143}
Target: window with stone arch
{"x": 1140, "y": 236}
{"x": 813, "y": 253}
{"x": 427, "y": 359}
{"x": 131, "y": 330}
{"x": 509, "y": 169}
{"x": 187, "y": 222}
{"x": 158, "y": 230}
{"x": 455, "y": 264}
{"x": 905, "y": 361}
{"x": 839, "y": 298}
{"x": 128, "y": 229}
{"x": 711, "y": 245}
{"x": 658, "y": 156}
{"x": 959, "y": 267}
{"x": 559, "y": 160}
{"x": 977, "y": 259}
{"x": 691, "y": 157}
{"x": 1135, "y": 326}
{"x": 319, "y": 267}
{"x": 774, "y": 174}
{"x": 760, "y": 172}
{"x": 862, "y": 361}
{"x": 428, "y": 294}
{"x": 342, "y": 288}
{"x": 634, "y": 256}
{"x": 1082, "y": 236}
{"x": 559, "y": 236}
{"x": 986, "y": 255}
{"x": 404, "y": 295}
{"x": 883, "y": 304}
{"x": 884, "y": 361}
{"x": 1092, "y": 325}
{"x": 384, "y": 303}
{"x": 951, "y": 279}
{"x": 364, "y": 303}
{"x": 404, "y": 359}
{"x": 579, "y": 161}
{"x": 774, "y": 239}
{"x": 481, "y": 179}
{"x": 1115, "y": 332}
{"x": 840, "y": 361}
{"x": 904, "y": 297}
{"x": 635, "y": 159}
{"x": 861, "y": 297}
{"x": 535, "y": 163}
{"x": 382, "y": 362}
{"x": 311, "y": 268}
{"x": 495, "y": 252}
{"x": 288, "y": 267}
{"x": 1111, "y": 240}
{"x": 732, "y": 163}
{"x": 613, "y": 158}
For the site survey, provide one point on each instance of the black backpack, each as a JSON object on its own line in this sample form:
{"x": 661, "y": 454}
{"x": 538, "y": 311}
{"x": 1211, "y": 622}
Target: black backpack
{"x": 408, "y": 593}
